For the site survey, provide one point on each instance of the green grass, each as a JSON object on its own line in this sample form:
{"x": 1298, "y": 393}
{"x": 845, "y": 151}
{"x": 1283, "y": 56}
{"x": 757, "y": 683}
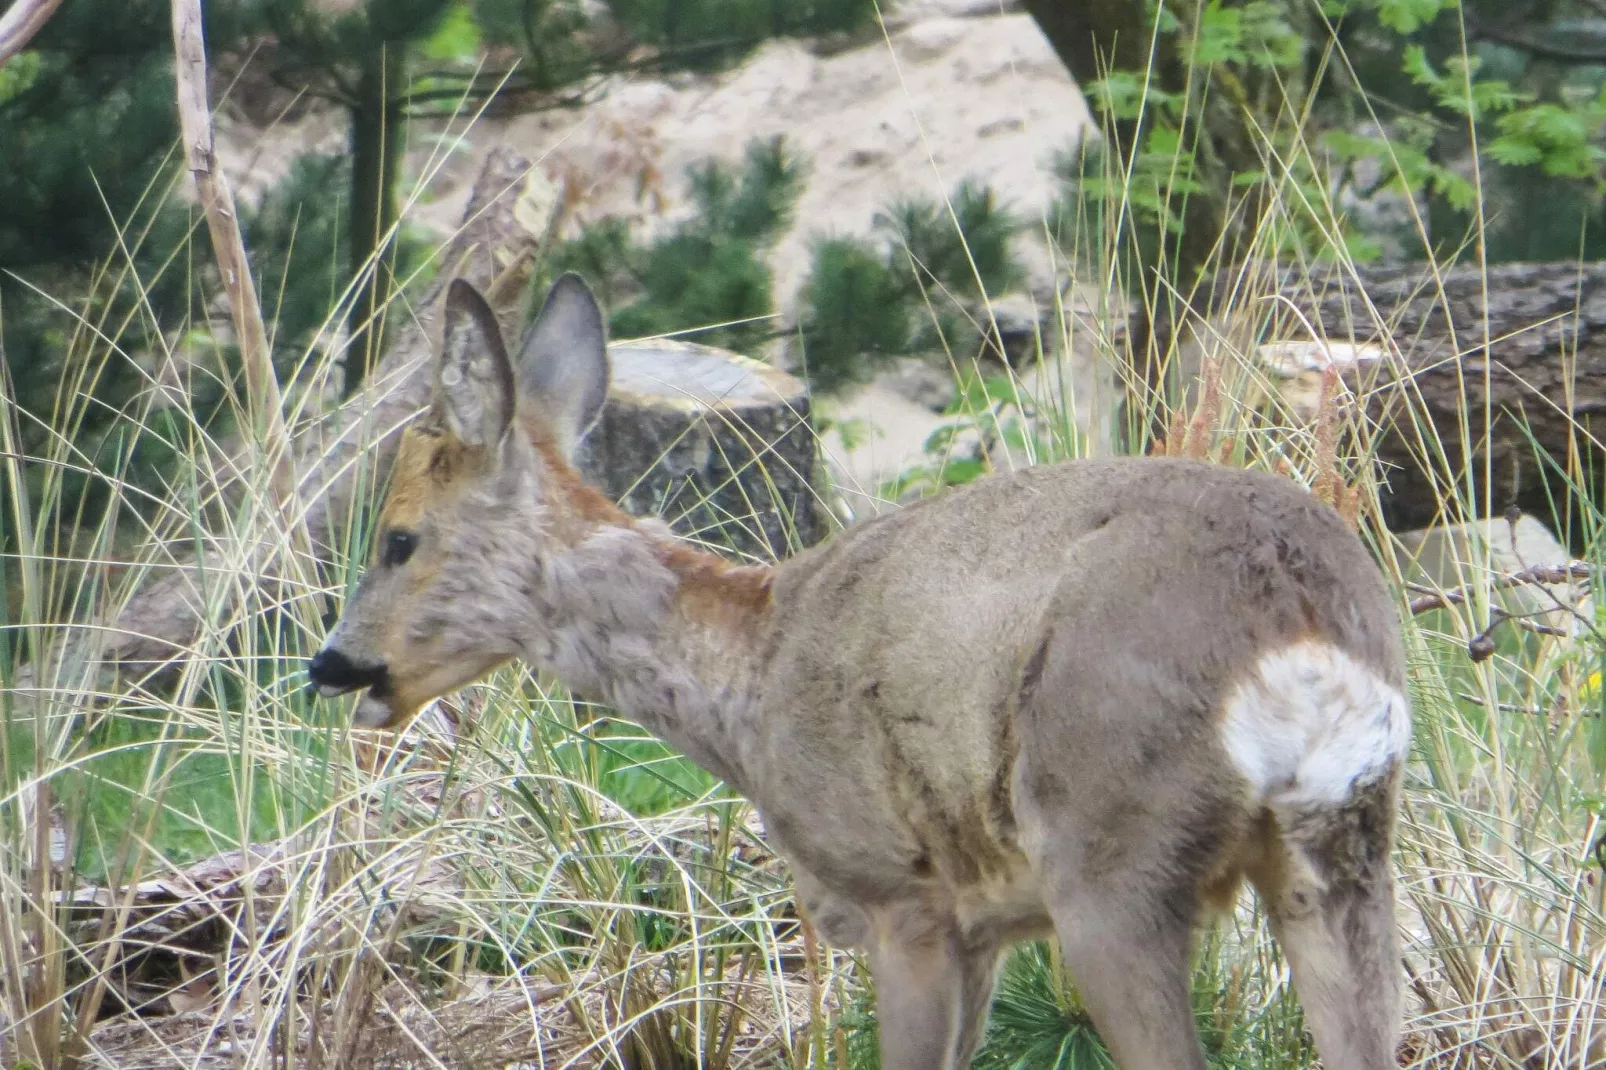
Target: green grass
{"x": 107, "y": 797}
{"x": 634, "y": 769}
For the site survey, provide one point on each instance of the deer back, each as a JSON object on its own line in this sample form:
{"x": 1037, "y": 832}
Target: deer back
{"x": 903, "y": 652}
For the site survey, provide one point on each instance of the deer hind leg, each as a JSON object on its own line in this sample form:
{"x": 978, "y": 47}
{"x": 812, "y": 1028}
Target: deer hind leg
{"x": 978, "y": 965}
{"x": 1125, "y": 881}
{"x": 1320, "y": 738}
{"x": 933, "y": 990}
{"x": 1326, "y": 882}
{"x": 1129, "y": 957}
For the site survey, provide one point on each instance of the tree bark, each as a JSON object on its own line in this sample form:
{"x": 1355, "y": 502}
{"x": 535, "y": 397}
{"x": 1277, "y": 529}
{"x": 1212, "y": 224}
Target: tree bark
{"x": 1095, "y": 36}
{"x": 718, "y": 445}
{"x": 1524, "y": 343}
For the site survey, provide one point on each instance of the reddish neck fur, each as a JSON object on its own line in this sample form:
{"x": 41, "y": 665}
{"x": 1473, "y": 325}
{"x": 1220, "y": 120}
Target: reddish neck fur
{"x": 712, "y": 591}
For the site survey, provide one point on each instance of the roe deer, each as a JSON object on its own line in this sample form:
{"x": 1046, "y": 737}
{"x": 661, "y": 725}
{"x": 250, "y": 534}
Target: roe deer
{"x": 1079, "y": 700}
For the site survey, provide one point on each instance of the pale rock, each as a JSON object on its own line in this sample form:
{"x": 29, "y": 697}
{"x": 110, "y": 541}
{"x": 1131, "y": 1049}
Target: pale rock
{"x": 1016, "y": 321}
{"x": 873, "y": 435}
{"x": 921, "y": 381}
{"x": 955, "y": 89}
{"x": 928, "y": 40}
{"x": 983, "y": 98}
{"x": 909, "y": 11}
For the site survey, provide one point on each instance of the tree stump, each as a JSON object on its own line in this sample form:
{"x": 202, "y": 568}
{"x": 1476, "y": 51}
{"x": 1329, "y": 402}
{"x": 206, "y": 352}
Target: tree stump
{"x": 718, "y": 445}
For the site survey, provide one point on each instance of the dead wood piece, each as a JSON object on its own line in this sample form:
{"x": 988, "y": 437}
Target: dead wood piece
{"x": 1525, "y": 343}
{"x": 1537, "y": 575}
{"x": 170, "y": 936}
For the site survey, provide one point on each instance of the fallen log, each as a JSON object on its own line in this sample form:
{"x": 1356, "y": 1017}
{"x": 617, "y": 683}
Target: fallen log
{"x": 1431, "y": 352}
{"x": 1523, "y": 343}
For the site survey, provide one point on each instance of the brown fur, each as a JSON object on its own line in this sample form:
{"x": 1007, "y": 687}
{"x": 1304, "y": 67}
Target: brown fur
{"x": 1083, "y": 700}
{"x": 579, "y": 499}
{"x": 427, "y": 463}
{"x": 712, "y": 590}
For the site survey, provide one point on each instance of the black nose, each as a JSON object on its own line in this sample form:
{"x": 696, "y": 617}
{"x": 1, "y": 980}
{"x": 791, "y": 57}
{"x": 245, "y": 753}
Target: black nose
{"x": 332, "y": 673}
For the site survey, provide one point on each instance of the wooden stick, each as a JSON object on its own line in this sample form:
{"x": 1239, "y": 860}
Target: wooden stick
{"x": 264, "y": 405}
{"x": 195, "y": 118}
{"x": 20, "y": 22}
{"x": 1536, "y": 575}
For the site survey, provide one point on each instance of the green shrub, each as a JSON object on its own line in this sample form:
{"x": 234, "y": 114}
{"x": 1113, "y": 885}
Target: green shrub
{"x": 707, "y": 271}
{"x": 854, "y": 315}
{"x": 962, "y": 247}
{"x": 919, "y": 289}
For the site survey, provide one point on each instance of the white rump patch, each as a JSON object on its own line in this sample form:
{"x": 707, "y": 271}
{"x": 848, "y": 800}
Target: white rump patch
{"x": 1311, "y": 723}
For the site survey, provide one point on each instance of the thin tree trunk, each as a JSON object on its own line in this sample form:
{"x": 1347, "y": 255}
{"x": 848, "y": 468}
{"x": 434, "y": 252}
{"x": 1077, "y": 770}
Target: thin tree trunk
{"x": 376, "y": 144}
{"x": 1219, "y": 139}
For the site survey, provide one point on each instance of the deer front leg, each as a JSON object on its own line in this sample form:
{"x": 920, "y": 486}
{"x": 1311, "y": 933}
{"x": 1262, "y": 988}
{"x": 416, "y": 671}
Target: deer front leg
{"x": 932, "y": 991}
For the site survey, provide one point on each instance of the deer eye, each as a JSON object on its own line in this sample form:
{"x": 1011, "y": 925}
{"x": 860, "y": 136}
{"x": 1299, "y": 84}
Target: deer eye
{"x": 397, "y": 548}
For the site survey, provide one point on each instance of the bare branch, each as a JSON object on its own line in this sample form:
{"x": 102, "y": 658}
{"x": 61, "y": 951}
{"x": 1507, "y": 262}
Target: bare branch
{"x": 195, "y": 119}
{"x": 1537, "y": 575}
{"x": 20, "y": 22}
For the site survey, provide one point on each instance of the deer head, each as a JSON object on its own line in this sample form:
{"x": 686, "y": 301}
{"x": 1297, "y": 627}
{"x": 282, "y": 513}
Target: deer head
{"x": 480, "y": 494}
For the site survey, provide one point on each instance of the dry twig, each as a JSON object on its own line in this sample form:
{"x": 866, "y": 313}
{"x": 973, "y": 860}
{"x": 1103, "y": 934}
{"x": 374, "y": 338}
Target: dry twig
{"x": 263, "y": 402}
{"x": 1481, "y": 647}
{"x": 1539, "y": 575}
{"x": 20, "y": 22}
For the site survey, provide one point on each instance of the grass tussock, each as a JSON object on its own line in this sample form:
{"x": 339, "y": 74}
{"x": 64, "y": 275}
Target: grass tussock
{"x": 523, "y": 880}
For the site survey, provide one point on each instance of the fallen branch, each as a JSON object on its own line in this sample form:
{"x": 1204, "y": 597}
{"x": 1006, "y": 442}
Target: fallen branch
{"x": 1536, "y": 575}
{"x": 1481, "y": 647}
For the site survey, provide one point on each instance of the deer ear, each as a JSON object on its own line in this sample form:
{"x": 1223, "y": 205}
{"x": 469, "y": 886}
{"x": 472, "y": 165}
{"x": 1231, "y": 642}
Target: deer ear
{"x": 474, "y": 384}
{"x": 563, "y": 361}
